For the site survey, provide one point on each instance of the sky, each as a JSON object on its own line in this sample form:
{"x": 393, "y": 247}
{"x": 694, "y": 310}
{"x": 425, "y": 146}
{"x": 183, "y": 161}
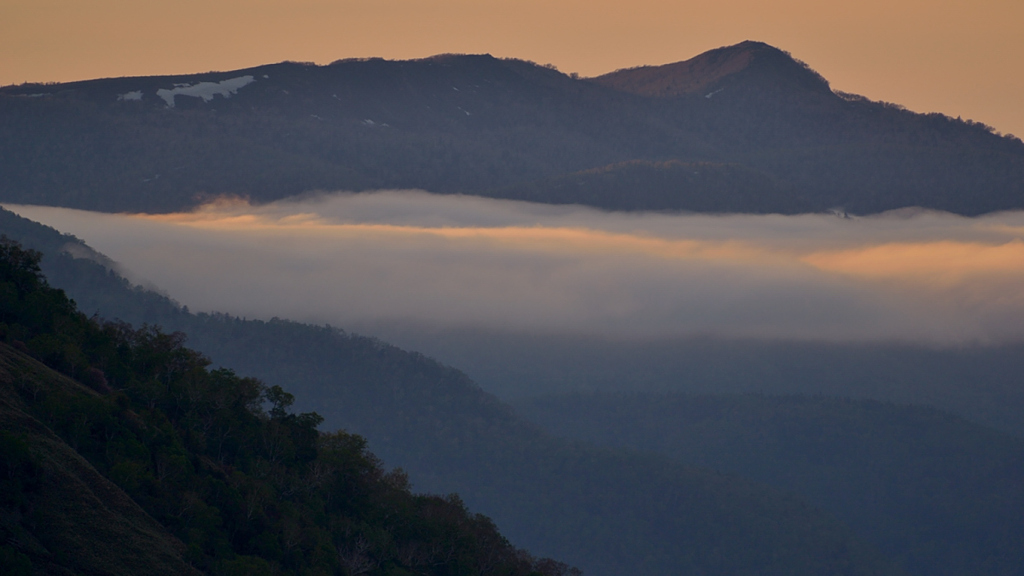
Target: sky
{"x": 469, "y": 262}
{"x": 962, "y": 58}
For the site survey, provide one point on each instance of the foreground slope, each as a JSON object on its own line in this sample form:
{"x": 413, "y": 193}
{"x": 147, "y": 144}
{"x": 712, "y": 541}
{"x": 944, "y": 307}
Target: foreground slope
{"x": 759, "y": 130}
{"x": 60, "y": 514}
{"x": 161, "y": 466}
{"x": 606, "y": 511}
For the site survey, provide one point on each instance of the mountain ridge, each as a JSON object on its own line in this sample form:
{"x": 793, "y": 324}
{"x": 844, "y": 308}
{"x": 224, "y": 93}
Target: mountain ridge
{"x": 479, "y": 125}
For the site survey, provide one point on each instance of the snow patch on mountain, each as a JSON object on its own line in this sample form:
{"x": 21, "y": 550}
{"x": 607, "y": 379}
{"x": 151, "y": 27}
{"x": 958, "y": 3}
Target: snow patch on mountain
{"x": 205, "y": 90}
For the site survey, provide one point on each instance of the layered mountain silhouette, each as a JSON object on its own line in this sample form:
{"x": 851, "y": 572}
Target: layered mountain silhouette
{"x": 762, "y": 131}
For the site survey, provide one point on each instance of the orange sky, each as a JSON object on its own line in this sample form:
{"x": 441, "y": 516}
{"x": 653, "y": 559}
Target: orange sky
{"x": 952, "y": 56}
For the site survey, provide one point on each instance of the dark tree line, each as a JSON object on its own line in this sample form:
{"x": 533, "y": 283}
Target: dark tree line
{"x": 221, "y": 461}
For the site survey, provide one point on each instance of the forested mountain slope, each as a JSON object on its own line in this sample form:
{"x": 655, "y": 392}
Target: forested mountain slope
{"x": 609, "y": 512}
{"x": 941, "y": 495}
{"x": 742, "y": 128}
{"x": 138, "y": 459}
{"x": 976, "y": 382}
{"x": 59, "y": 513}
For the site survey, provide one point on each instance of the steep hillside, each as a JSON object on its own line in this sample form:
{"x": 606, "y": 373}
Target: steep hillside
{"x": 607, "y": 512}
{"x": 59, "y": 514}
{"x": 503, "y": 128}
{"x": 162, "y": 466}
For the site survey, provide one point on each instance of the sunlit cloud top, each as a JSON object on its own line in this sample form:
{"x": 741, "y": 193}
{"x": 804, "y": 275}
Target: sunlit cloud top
{"x": 468, "y": 261}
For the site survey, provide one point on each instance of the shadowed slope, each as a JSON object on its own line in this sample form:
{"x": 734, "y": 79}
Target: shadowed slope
{"x": 75, "y": 518}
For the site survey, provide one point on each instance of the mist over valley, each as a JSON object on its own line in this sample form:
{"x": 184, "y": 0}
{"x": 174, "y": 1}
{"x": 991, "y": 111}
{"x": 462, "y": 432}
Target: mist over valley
{"x": 465, "y": 262}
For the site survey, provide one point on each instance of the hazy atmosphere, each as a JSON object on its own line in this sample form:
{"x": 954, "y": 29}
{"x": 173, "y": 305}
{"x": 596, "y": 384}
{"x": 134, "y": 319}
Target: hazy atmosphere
{"x": 909, "y": 275}
{"x": 518, "y": 288}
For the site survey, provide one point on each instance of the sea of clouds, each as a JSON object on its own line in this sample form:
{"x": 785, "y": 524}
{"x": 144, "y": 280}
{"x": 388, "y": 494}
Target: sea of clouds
{"x": 461, "y": 261}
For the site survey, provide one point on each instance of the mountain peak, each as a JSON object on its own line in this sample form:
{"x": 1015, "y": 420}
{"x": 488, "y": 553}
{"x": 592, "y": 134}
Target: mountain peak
{"x": 749, "y": 64}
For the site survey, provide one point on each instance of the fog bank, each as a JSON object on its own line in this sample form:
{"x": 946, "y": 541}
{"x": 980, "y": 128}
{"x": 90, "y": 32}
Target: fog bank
{"x": 399, "y": 256}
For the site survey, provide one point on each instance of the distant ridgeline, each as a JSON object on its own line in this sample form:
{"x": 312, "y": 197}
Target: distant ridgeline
{"x": 121, "y": 452}
{"x": 744, "y": 128}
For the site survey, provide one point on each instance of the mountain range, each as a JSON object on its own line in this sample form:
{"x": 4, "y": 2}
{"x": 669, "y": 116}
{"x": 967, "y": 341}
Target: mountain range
{"x": 742, "y": 128}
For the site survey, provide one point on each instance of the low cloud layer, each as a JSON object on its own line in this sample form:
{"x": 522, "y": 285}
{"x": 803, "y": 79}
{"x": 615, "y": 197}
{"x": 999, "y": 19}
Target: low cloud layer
{"x": 464, "y": 261}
